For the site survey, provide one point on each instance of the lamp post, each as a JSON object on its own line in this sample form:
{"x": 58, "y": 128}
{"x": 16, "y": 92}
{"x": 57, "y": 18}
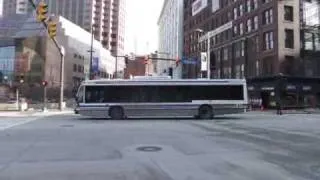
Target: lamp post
{"x": 91, "y": 53}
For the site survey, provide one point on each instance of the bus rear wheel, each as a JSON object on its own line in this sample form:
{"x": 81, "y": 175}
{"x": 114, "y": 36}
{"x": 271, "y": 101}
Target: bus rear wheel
{"x": 116, "y": 113}
{"x": 205, "y": 112}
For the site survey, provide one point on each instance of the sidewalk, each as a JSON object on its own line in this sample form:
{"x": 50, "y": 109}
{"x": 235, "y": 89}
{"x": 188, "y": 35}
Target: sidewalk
{"x": 287, "y": 111}
{"x": 50, "y": 112}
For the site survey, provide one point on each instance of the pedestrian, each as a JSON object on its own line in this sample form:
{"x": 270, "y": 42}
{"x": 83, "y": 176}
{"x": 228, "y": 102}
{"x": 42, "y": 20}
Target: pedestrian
{"x": 278, "y": 106}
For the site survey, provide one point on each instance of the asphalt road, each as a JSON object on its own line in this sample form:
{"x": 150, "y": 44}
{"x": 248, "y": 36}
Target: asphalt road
{"x": 241, "y": 147}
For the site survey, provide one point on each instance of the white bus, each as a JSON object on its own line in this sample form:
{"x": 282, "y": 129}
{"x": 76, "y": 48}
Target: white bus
{"x": 148, "y": 97}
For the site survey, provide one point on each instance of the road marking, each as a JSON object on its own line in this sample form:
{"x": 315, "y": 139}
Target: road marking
{"x": 9, "y": 124}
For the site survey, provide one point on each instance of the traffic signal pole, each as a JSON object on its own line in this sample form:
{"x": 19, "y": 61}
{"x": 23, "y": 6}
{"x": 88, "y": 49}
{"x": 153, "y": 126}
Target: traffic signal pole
{"x": 44, "y": 98}
{"x": 62, "y": 55}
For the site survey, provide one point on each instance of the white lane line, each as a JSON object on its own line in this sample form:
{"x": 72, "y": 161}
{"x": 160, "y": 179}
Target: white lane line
{"x": 11, "y": 125}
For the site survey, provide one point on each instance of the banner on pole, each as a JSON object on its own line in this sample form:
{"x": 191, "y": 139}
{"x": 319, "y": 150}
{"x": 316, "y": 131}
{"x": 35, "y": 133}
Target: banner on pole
{"x": 204, "y": 61}
{"x": 95, "y": 65}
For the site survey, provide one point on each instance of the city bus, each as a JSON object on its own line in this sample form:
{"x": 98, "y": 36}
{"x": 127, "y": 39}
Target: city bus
{"x": 161, "y": 97}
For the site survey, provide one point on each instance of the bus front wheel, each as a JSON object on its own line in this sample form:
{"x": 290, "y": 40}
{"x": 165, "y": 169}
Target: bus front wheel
{"x": 116, "y": 113}
{"x": 205, "y": 112}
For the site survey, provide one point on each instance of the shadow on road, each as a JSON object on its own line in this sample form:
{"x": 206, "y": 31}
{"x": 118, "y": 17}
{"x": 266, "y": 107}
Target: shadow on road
{"x": 221, "y": 118}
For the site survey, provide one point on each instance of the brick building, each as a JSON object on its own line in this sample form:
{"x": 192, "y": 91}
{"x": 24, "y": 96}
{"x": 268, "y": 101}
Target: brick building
{"x": 250, "y": 38}
{"x": 138, "y": 67}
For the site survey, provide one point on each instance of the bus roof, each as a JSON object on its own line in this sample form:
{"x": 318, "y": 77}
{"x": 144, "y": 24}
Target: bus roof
{"x": 162, "y": 81}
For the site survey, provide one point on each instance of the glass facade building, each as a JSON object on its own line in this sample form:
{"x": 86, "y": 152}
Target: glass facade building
{"x": 26, "y": 53}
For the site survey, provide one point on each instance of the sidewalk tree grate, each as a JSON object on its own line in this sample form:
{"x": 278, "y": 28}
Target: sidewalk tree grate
{"x": 149, "y": 148}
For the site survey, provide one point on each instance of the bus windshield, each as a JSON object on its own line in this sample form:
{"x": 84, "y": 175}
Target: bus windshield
{"x": 79, "y": 95}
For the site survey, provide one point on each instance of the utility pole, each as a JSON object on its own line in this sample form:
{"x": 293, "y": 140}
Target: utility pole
{"x": 208, "y": 57}
{"x": 116, "y": 68}
{"x": 62, "y": 54}
{"x": 91, "y": 54}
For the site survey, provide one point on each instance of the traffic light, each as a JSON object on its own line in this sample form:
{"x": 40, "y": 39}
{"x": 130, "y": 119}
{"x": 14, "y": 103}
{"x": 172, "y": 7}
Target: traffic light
{"x": 177, "y": 61}
{"x": 44, "y": 83}
{"x": 21, "y": 78}
{"x": 52, "y": 29}
{"x": 42, "y": 11}
{"x": 126, "y": 59}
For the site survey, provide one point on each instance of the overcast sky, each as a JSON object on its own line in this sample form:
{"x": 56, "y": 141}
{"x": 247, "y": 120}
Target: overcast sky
{"x": 0, "y": 7}
{"x": 141, "y": 24}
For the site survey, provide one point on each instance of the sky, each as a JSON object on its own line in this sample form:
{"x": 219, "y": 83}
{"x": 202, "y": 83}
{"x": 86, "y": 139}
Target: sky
{"x": 0, "y": 7}
{"x": 141, "y": 25}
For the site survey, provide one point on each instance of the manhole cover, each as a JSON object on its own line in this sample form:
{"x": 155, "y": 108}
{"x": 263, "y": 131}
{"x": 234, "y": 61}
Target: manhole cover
{"x": 149, "y": 148}
{"x": 67, "y": 125}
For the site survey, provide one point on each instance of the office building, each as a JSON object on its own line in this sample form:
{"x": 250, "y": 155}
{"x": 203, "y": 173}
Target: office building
{"x": 26, "y": 53}
{"x": 252, "y": 39}
{"x": 170, "y": 24}
{"x": 107, "y": 17}
{"x": 11, "y": 7}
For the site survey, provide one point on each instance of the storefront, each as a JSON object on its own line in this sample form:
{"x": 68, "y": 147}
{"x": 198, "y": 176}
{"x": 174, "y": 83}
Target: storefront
{"x": 292, "y": 92}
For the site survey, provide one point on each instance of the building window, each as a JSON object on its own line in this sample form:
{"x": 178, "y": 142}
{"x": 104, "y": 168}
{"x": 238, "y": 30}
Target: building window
{"x": 235, "y": 30}
{"x": 289, "y": 38}
{"x": 225, "y": 53}
{"x": 249, "y": 25}
{"x": 74, "y": 68}
{"x": 242, "y": 71}
{"x": 241, "y": 9}
{"x": 288, "y": 13}
{"x": 248, "y": 5}
{"x": 255, "y": 4}
{"x": 242, "y": 48}
{"x": 237, "y": 49}
{"x": 257, "y": 67}
{"x": 255, "y": 23}
{"x": 268, "y": 40}
{"x": 266, "y": 1}
{"x": 241, "y": 28}
{"x": 267, "y": 16}
{"x": 235, "y": 13}
{"x": 79, "y": 68}
{"x": 238, "y": 72}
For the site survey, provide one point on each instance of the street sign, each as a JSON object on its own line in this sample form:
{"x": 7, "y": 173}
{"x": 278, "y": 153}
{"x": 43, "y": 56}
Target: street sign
{"x": 185, "y": 60}
{"x": 204, "y": 61}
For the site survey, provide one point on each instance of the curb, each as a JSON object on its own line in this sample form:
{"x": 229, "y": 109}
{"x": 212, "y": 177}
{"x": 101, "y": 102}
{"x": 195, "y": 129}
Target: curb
{"x": 35, "y": 113}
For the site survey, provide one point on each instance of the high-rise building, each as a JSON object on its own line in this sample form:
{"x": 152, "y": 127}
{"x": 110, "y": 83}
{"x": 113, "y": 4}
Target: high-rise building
{"x": 11, "y": 7}
{"x": 105, "y": 17}
{"x": 170, "y": 25}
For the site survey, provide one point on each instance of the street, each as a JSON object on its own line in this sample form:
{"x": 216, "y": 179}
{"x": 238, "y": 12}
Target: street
{"x": 257, "y": 146}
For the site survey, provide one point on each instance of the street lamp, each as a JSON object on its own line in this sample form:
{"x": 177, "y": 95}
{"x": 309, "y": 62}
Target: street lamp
{"x": 208, "y": 51}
